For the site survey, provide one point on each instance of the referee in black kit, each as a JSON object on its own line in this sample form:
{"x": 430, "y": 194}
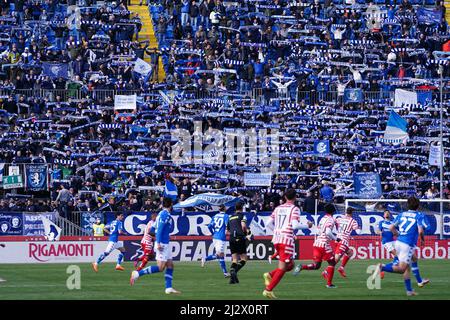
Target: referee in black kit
{"x": 239, "y": 234}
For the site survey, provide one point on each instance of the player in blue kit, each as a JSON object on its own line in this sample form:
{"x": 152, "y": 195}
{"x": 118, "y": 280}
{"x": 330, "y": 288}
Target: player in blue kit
{"x": 410, "y": 225}
{"x": 218, "y": 227}
{"x": 114, "y": 230}
{"x": 162, "y": 228}
{"x": 387, "y": 236}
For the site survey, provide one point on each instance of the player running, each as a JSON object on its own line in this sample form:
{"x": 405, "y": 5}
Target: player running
{"x": 410, "y": 226}
{"x": 387, "y": 236}
{"x": 146, "y": 245}
{"x": 164, "y": 260}
{"x": 322, "y": 249}
{"x": 114, "y": 230}
{"x": 286, "y": 219}
{"x": 345, "y": 225}
{"x": 218, "y": 228}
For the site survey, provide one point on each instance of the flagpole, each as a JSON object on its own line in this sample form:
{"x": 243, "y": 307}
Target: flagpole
{"x": 441, "y": 169}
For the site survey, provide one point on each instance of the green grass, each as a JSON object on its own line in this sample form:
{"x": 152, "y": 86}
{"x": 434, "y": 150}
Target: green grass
{"x": 48, "y": 281}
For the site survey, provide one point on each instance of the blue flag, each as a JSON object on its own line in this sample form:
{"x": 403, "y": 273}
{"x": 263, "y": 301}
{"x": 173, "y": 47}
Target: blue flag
{"x": 321, "y": 147}
{"x": 424, "y": 97}
{"x": 429, "y": 16}
{"x": 36, "y": 177}
{"x": 353, "y": 96}
{"x": 367, "y": 185}
{"x": 55, "y": 70}
{"x": 171, "y": 190}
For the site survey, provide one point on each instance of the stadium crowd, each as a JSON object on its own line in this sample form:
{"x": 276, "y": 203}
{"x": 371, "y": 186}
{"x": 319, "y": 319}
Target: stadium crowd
{"x": 217, "y": 55}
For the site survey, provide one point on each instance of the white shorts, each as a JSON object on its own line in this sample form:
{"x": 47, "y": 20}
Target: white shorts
{"x": 219, "y": 245}
{"x": 165, "y": 254}
{"x": 113, "y": 245}
{"x": 404, "y": 251}
{"x": 389, "y": 246}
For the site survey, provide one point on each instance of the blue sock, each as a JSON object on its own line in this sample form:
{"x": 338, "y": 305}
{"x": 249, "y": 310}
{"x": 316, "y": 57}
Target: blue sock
{"x": 102, "y": 256}
{"x": 395, "y": 261}
{"x": 387, "y": 268}
{"x": 211, "y": 257}
{"x": 223, "y": 265}
{"x": 120, "y": 258}
{"x": 148, "y": 270}
{"x": 408, "y": 285}
{"x": 416, "y": 272}
{"x": 168, "y": 276}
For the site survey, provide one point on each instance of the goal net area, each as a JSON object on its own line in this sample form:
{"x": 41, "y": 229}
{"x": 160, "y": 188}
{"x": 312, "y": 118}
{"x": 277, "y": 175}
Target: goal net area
{"x": 369, "y": 213}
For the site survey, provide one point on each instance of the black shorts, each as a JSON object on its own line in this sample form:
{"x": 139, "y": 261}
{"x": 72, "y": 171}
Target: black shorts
{"x": 238, "y": 246}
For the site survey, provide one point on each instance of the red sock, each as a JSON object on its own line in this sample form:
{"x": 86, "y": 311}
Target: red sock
{"x": 143, "y": 263}
{"x": 272, "y": 273}
{"x": 330, "y": 271}
{"x": 345, "y": 259}
{"x": 275, "y": 279}
{"x": 311, "y": 266}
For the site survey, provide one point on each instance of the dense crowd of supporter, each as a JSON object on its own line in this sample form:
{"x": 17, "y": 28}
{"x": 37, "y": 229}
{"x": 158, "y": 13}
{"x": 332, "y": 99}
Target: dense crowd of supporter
{"x": 216, "y": 55}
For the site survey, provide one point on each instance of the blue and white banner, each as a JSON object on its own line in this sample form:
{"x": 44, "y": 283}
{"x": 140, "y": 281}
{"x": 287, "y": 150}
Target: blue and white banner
{"x": 257, "y": 179}
{"x": 396, "y": 129}
{"x": 429, "y": 16}
{"x": 55, "y": 70}
{"x": 424, "y": 97}
{"x": 353, "y": 96}
{"x": 11, "y": 224}
{"x": 321, "y": 147}
{"x": 32, "y": 223}
{"x": 171, "y": 190}
{"x": 36, "y": 177}
{"x": 196, "y": 223}
{"x": 88, "y": 219}
{"x": 367, "y": 185}
{"x": 207, "y": 199}
{"x": 52, "y": 232}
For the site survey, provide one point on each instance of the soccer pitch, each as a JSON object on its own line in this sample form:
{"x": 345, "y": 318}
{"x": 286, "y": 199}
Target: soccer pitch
{"x": 48, "y": 281}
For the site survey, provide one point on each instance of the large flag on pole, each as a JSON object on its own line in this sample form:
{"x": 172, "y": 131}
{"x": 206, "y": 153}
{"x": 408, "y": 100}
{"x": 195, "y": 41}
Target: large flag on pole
{"x": 51, "y": 231}
{"x": 396, "y": 129}
{"x": 171, "y": 190}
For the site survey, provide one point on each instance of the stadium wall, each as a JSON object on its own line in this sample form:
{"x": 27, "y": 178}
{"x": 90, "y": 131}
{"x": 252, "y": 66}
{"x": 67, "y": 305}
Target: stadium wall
{"x": 20, "y": 249}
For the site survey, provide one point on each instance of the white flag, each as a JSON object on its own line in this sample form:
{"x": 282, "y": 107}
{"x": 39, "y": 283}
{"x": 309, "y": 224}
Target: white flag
{"x": 404, "y": 97}
{"x": 92, "y": 56}
{"x": 51, "y": 231}
{"x": 435, "y": 155}
{"x": 142, "y": 67}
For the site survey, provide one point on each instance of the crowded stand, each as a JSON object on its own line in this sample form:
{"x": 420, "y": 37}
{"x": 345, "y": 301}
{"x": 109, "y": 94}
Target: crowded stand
{"x": 308, "y": 71}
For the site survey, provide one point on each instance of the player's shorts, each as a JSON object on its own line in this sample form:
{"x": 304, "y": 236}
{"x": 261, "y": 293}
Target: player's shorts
{"x": 285, "y": 252}
{"x": 322, "y": 254}
{"x": 389, "y": 246}
{"x": 238, "y": 246}
{"x": 219, "y": 245}
{"x": 113, "y": 245}
{"x": 147, "y": 248}
{"x": 341, "y": 248}
{"x": 165, "y": 254}
{"x": 404, "y": 251}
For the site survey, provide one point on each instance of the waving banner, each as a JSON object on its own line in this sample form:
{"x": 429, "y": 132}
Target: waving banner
{"x": 367, "y": 185}
{"x": 210, "y": 199}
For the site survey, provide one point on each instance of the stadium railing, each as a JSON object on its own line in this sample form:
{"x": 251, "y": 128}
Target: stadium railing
{"x": 258, "y": 94}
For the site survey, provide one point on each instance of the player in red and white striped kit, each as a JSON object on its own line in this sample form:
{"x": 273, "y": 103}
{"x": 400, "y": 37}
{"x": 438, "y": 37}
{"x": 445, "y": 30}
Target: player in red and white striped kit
{"x": 146, "y": 244}
{"x": 322, "y": 250}
{"x": 345, "y": 225}
{"x": 286, "y": 219}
